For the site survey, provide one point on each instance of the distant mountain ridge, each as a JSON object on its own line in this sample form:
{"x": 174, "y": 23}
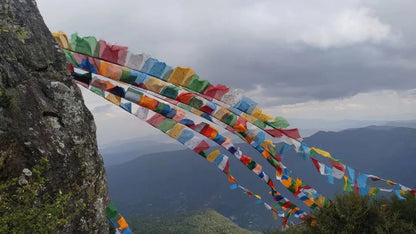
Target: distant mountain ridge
{"x": 208, "y": 221}
{"x": 181, "y": 181}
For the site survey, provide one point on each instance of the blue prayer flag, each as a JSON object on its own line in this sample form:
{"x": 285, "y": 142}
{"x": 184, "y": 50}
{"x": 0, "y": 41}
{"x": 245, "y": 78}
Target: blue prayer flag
{"x": 399, "y": 196}
{"x": 126, "y": 106}
{"x": 285, "y": 147}
{"x": 328, "y": 171}
{"x": 233, "y": 186}
{"x": 351, "y": 172}
{"x": 362, "y": 180}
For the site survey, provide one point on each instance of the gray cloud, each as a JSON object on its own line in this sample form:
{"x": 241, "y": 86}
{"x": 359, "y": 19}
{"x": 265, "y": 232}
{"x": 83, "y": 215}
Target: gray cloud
{"x": 294, "y": 51}
{"x": 310, "y": 73}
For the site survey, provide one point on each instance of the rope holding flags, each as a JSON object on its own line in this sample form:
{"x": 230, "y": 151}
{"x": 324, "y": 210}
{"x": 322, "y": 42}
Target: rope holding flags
{"x": 184, "y": 100}
{"x": 175, "y": 128}
{"x": 182, "y": 87}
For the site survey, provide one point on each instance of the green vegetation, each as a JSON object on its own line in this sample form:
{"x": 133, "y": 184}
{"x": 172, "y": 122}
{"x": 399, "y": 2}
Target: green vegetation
{"x": 26, "y": 208}
{"x": 351, "y": 213}
{"x": 198, "y": 222}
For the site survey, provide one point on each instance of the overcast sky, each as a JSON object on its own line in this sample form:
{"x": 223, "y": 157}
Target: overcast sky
{"x": 299, "y": 59}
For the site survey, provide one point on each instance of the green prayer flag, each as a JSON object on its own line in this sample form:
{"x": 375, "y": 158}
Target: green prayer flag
{"x": 166, "y": 125}
{"x": 259, "y": 124}
{"x": 170, "y": 91}
{"x": 70, "y": 58}
{"x": 128, "y": 76}
{"x": 84, "y": 45}
{"x": 279, "y": 122}
{"x": 230, "y": 119}
{"x": 159, "y": 107}
{"x": 184, "y": 106}
{"x": 251, "y": 165}
{"x": 111, "y": 210}
{"x": 195, "y": 102}
{"x": 98, "y": 91}
{"x": 198, "y": 85}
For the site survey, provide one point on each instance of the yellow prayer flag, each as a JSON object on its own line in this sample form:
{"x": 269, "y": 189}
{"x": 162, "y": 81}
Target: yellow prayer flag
{"x": 265, "y": 117}
{"x": 62, "y": 40}
{"x": 308, "y": 202}
{"x": 321, "y": 152}
{"x": 288, "y": 182}
{"x": 220, "y": 113}
{"x": 266, "y": 143}
{"x": 155, "y": 84}
{"x": 247, "y": 117}
{"x": 320, "y": 201}
{"x": 298, "y": 184}
{"x": 197, "y": 112}
{"x": 371, "y": 192}
{"x": 256, "y": 112}
{"x": 175, "y": 132}
{"x": 213, "y": 155}
{"x": 345, "y": 182}
{"x": 391, "y": 182}
{"x": 114, "y": 99}
{"x": 257, "y": 196}
{"x": 180, "y": 75}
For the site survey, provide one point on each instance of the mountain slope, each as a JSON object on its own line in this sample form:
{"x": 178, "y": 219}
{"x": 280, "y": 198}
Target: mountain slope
{"x": 208, "y": 221}
{"x": 181, "y": 181}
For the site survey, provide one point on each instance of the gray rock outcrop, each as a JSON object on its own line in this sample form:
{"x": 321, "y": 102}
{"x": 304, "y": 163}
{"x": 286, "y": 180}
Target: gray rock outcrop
{"x": 52, "y": 177}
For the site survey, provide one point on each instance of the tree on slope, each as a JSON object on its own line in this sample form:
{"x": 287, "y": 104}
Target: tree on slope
{"x": 351, "y": 213}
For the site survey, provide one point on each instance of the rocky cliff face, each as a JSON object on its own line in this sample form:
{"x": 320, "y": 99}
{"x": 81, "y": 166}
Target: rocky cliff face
{"x": 51, "y": 174}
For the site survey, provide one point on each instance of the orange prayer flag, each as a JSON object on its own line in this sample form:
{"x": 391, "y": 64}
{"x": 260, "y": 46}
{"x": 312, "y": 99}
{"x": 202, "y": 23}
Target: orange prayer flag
{"x": 122, "y": 222}
{"x": 231, "y": 179}
{"x": 148, "y": 102}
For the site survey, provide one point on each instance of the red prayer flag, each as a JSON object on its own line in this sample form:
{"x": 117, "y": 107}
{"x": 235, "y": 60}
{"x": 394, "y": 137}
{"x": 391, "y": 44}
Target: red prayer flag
{"x": 274, "y": 132}
{"x": 338, "y": 165}
{"x": 185, "y": 97}
{"x": 113, "y": 53}
{"x": 287, "y": 205}
{"x": 217, "y": 91}
{"x": 245, "y": 160}
{"x": 316, "y": 163}
{"x": 206, "y": 109}
{"x": 292, "y": 133}
{"x": 226, "y": 168}
{"x": 156, "y": 120}
{"x": 270, "y": 183}
{"x": 203, "y": 145}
